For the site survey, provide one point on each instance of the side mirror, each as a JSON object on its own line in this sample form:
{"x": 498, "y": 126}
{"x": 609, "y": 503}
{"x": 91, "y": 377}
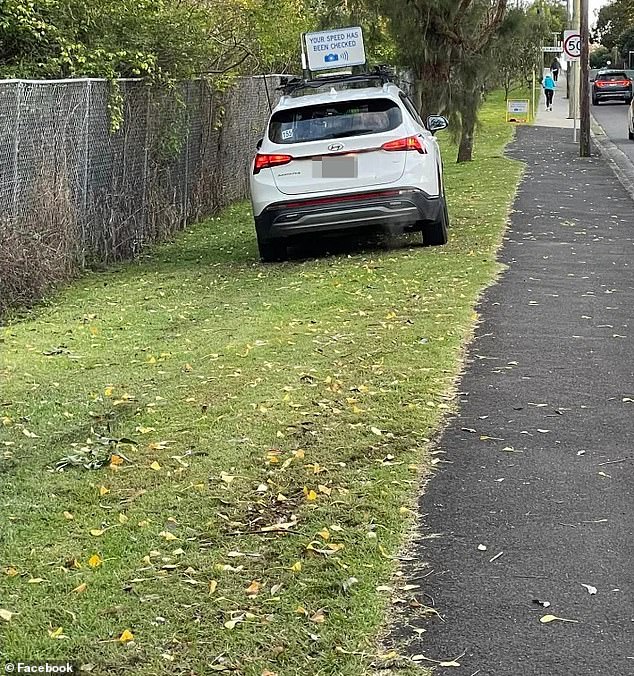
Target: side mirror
{"x": 258, "y": 145}
{"x": 436, "y": 123}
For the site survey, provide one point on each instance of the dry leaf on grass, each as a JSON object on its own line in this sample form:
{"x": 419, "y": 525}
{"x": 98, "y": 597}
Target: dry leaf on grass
{"x": 126, "y": 636}
{"x": 95, "y": 561}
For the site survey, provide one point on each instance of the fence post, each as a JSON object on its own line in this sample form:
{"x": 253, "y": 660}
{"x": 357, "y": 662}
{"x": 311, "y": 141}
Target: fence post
{"x": 186, "y": 190}
{"x": 16, "y": 146}
{"x": 145, "y": 166}
{"x": 84, "y": 221}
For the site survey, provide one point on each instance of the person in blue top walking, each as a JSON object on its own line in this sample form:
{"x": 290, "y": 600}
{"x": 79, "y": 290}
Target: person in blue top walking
{"x": 549, "y": 90}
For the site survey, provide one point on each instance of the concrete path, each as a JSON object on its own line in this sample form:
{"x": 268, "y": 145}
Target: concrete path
{"x": 558, "y": 116}
{"x": 533, "y": 498}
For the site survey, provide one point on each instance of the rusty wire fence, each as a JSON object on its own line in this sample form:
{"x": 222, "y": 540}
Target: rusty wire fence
{"x": 74, "y": 192}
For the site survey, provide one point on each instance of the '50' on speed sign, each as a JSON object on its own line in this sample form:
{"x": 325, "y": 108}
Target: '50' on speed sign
{"x": 572, "y": 45}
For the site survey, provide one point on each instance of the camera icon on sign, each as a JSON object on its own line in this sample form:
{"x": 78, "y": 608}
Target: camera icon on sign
{"x": 330, "y": 58}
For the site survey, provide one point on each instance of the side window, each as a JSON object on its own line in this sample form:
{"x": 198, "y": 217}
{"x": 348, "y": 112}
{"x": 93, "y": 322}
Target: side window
{"x": 411, "y": 109}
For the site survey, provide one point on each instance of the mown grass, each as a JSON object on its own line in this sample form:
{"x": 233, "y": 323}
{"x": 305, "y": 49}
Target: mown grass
{"x": 303, "y": 393}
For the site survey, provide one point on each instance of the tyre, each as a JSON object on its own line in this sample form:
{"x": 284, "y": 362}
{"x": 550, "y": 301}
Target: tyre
{"x": 595, "y": 101}
{"x": 435, "y": 233}
{"x": 630, "y": 135}
{"x": 271, "y": 250}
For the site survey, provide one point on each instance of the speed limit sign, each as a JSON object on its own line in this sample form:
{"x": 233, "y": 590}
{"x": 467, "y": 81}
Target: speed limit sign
{"x": 572, "y": 45}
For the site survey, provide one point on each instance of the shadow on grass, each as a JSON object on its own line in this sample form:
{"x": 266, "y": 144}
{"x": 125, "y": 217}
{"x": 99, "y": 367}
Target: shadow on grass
{"x": 239, "y": 249}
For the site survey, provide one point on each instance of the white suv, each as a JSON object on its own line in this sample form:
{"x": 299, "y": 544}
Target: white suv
{"x": 345, "y": 152}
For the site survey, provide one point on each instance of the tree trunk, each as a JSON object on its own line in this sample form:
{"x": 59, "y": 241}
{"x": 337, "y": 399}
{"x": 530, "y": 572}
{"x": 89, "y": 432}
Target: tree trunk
{"x": 432, "y": 87}
{"x": 468, "y": 115}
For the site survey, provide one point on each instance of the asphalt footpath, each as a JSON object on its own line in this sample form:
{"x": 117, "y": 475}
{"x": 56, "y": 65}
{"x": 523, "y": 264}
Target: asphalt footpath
{"x": 530, "y": 512}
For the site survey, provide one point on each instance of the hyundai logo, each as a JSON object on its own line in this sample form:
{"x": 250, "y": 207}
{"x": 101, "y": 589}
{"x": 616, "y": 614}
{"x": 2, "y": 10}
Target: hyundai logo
{"x": 335, "y": 146}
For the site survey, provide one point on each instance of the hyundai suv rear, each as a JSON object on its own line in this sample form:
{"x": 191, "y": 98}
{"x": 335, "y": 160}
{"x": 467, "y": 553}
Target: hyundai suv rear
{"x": 610, "y": 85}
{"x": 346, "y": 158}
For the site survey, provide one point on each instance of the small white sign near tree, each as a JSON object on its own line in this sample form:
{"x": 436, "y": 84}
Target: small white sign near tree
{"x": 340, "y": 48}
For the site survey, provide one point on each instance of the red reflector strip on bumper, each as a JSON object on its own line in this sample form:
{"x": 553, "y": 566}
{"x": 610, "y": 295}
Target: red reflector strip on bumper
{"x": 342, "y": 198}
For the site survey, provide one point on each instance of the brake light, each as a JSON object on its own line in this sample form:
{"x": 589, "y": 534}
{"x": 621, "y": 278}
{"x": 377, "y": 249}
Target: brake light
{"x": 265, "y": 161}
{"x": 409, "y": 143}
{"x": 620, "y": 83}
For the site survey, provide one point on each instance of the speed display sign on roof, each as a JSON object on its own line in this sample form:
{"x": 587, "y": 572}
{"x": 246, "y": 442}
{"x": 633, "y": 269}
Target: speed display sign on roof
{"x": 338, "y": 48}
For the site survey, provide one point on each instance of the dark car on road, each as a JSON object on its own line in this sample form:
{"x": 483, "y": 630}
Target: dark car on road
{"x": 611, "y": 85}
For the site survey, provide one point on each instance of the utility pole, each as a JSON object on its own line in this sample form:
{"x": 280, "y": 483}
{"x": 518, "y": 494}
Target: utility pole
{"x": 584, "y": 90}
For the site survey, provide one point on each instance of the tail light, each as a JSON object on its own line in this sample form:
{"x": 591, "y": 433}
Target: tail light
{"x": 620, "y": 83}
{"x": 264, "y": 161}
{"x": 409, "y": 143}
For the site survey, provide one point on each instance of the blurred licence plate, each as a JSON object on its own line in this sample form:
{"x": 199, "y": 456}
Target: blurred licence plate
{"x": 335, "y": 167}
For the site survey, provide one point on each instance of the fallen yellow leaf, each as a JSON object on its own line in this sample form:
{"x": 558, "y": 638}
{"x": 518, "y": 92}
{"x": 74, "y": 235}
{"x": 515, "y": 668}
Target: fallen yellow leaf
{"x": 325, "y": 533}
{"x": 319, "y": 617}
{"x": 56, "y": 633}
{"x": 68, "y": 515}
{"x": 553, "y": 618}
{"x": 81, "y": 588}
{"x": 103, "y": 490}
{"x": 6, "y": 615}
{"x": 36, "y": 580}
{"x": 95, "y": 561}
{"x": 126, "y": 635}
{"x": 213, "y": 585}
{"x": 167, "y": 535}
{"x": 297, "y": 567}
{"x": 96, "y": 532}
{"x": 11, "y": 571}
{"x": 155, "y": 466}
{"x": 253, "y": 589}
{"x": 116, "y": 459}
{"x": 122, "y": 518}
{"x": 311, "y": 496}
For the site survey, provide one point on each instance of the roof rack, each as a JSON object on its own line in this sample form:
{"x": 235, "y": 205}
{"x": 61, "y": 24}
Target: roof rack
{"x": 380, "y": 74}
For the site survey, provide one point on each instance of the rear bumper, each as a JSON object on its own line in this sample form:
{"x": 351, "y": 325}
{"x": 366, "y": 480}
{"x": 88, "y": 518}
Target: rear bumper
{"x": 399, "y": 207}
{"x": 622, "y": 94}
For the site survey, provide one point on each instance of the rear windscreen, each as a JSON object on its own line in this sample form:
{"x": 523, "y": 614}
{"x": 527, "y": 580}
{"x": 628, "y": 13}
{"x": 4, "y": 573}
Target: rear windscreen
{"x": 612, "y": 77}
{"x": 334, "y": 120}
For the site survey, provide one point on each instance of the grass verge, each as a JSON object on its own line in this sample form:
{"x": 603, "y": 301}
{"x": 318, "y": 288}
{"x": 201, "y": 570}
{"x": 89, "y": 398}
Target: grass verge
{"x": 281, "y": 417}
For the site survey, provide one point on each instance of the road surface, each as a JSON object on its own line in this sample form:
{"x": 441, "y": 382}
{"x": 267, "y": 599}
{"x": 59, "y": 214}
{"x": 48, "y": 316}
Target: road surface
{"x": 613, "y": 118}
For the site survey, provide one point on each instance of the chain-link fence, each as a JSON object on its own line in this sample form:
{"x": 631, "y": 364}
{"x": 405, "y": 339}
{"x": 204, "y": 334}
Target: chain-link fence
{"x": 71, "y": 187}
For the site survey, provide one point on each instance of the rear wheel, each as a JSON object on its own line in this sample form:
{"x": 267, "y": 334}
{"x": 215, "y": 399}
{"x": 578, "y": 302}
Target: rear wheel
{"x": 631, "y": 135}
{"x": 595, "y": 100}
{"x": 271, "y": 250}
{"x": 435, "y": 233}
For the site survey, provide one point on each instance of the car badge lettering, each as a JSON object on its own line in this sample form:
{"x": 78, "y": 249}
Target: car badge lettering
{"x": 335, "y": 147}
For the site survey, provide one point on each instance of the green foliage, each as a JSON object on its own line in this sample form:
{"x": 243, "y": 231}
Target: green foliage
{"x": 599, "y": 57}
{"x": 613, "y": 20}
{"x": 516, "y": 52}
{"x": 552, "y": 13}
{"x": 164, "y": 40}
{"x": 625, "y": 43}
